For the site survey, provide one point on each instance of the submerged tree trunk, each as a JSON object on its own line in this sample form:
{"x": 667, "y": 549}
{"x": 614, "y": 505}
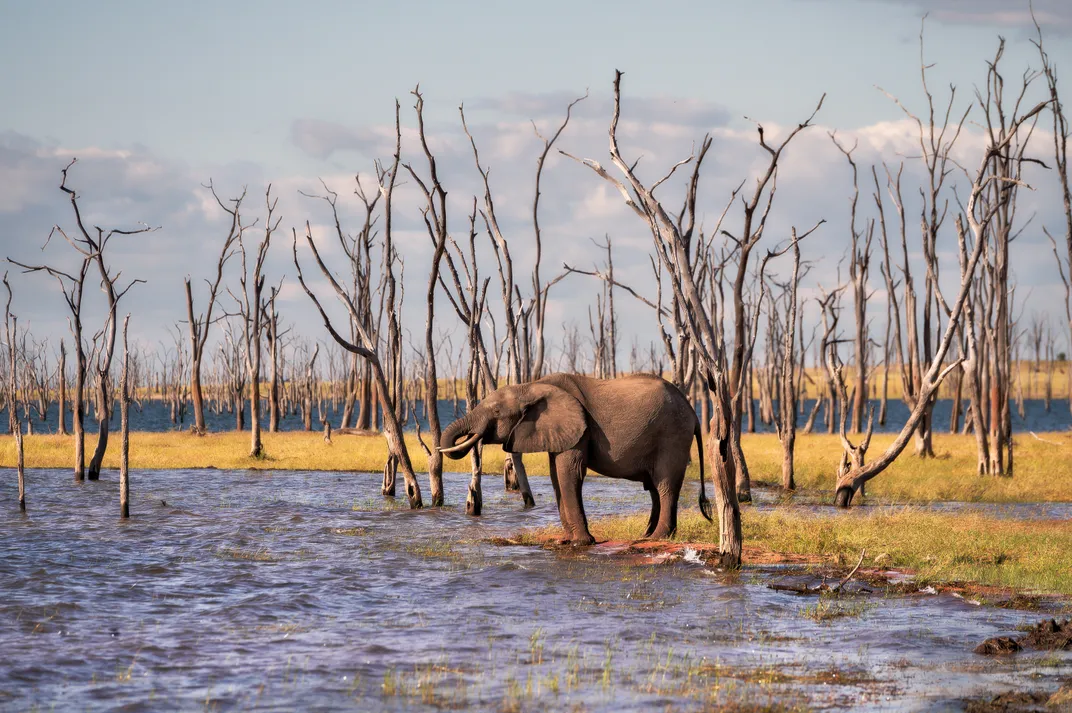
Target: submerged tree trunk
{"x": 124, "y": 429}
{"x": 103, "y": 417}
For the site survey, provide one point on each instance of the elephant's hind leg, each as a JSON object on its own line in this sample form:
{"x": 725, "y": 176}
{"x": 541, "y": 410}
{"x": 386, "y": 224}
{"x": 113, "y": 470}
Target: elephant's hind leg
{"x": 653, "y": 519}
{"x": 667, "y": 482}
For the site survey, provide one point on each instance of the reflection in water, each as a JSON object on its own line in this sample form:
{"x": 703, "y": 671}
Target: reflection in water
{"x": 308, "y": 591}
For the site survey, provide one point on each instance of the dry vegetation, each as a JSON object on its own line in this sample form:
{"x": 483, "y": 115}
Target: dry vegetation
{"x": 937, "y": 547}
{"x": 1044, "y": 467}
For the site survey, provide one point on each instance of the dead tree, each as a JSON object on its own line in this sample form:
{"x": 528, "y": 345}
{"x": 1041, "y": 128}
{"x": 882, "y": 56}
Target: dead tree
{"x": 978, "y": 213}
{"x": 571, "y": 340}
{"x": 1003, "y": 180}
{"x": 937, "y": 138}
{"x": 273, "y": 335}
{"x": 91, "y": 248}
{"x": 365, "y": 343}
{"x": 469, "y": 302}
{"x": 251, "y": 309}
{"x": 524, "y": 320}
{"x": 309, "y": 384}
{"x": 231, "y": 358}
{"x": 72, "y": 286}
{"x": 1061, "y": 133}
{"x": 368, "y": 350}
{"x": 61, "y": 397}
{"x": 435, "y": 221}
{"x": 859, "y": 264}
{"x": 785, "y": 418}
{"x": 199, "y": 325}
{"x": 853, "y": 455}
{"x": 11, "y": 332}
{"x": 671, "y": 241}
{"x": 124, "y": 428}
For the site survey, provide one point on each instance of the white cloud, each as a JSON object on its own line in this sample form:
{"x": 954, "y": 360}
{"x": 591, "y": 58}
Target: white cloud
{"x": 122, "y": 186}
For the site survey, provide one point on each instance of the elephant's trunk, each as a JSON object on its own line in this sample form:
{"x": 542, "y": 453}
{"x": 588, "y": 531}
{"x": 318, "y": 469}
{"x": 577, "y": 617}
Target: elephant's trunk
{"x": 460, "y": 427}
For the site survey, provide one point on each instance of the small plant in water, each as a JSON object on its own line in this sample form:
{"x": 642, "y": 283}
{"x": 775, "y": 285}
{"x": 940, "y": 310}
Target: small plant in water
{"x": 536, "y": 647}
{"x": 826, "y": 610}
{"x": 608, "y": 668}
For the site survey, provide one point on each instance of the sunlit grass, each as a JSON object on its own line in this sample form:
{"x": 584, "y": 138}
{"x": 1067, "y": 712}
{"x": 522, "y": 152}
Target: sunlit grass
{"x": 1043, "y": 468}
{"x": 1043, "y": 465}
{"x": 291, "y": 450}
{"x": 969, "y": 547}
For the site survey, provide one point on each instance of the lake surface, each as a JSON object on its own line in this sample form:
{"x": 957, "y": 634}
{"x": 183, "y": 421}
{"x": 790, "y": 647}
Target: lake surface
{"x": 285, "y": 591}
{"x": 156, "y": 416}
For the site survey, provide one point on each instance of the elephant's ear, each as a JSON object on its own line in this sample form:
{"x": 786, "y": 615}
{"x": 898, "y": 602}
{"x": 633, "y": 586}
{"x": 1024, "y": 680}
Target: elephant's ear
{"x": 553, "y": 422}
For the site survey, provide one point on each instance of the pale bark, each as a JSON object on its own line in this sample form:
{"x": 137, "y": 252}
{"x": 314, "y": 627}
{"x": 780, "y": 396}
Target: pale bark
{"x": 851, "y": 482}
{"x": 124, "y": 428}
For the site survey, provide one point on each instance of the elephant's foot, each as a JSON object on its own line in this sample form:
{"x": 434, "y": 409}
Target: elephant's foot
{"x": 580, "y": 541}
{"x": 744, "y": 496}
{"x": 660, "y": 533}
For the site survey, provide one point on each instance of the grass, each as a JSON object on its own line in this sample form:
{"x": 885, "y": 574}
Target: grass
{"x": 938, "y": 547}
{"x": 291, "y": 450}
{"x": 826, "y": 609}
{"x": 1043, "y": 467}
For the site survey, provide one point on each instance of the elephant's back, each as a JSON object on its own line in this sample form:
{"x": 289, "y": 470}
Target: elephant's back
{"x": 635, "y": 419}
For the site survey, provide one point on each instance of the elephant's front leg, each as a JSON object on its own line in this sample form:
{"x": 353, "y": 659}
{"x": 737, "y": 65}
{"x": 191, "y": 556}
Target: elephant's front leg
{"x": 568, "y": 470}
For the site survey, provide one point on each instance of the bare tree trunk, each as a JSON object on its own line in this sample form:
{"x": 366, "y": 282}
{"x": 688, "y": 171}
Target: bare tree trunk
{"x": 11, "y": 332}
{"x": 474, "y": 501}
{"x": 103, "y": 418}
{"x": 979, "y": 215}
{"x": 436, "y": 221}
{"x": 124, "y": 429}
{"x": 672, "y": 245}
{"x": 786, "y": 416}
{"x": 61, "y": 425}
{"x": 253, "y": 320}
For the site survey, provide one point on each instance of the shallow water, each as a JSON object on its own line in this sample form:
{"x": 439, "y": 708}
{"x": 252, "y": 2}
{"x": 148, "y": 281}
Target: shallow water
{"x": 308, "y": 591}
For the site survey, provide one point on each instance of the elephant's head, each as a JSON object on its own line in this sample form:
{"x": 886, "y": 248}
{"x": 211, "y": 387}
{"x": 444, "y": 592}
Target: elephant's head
{"x": 527, "y": 418}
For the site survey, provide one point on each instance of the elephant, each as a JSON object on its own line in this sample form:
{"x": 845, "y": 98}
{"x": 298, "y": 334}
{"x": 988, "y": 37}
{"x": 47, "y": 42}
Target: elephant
{"x": 637, "y": 427}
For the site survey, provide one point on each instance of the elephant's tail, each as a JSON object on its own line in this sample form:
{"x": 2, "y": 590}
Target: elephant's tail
{"x": 705, "y": 504}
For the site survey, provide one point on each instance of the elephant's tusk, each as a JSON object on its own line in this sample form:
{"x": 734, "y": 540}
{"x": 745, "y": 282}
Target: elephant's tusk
{"x": 464, "y": 445}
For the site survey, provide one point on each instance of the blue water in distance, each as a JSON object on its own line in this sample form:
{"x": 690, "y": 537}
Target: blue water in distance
{"x": 155, "y": 416}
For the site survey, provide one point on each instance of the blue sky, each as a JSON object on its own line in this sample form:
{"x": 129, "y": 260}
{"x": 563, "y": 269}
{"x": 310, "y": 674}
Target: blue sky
{"x": 156, "y": 98}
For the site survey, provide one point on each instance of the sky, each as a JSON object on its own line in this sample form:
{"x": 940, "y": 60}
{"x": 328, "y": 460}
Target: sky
{"x": 156, "y": 99}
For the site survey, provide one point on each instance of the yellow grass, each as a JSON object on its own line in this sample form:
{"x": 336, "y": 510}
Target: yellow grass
{"x": 1043, "y": 467}
{"x": 942, "y": 547}
{"x": 294, "y": 450}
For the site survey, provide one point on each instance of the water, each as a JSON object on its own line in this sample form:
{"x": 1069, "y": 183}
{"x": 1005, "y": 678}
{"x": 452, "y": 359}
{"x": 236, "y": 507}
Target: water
{"x": 156, "y": 416}
{"x": 308, "y": 591}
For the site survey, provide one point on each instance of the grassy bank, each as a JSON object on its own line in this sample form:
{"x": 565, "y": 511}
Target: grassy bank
{"x": 293, "y": 450}
{"x": 1043, "y": 467}
{"x": 1033, "y": 555}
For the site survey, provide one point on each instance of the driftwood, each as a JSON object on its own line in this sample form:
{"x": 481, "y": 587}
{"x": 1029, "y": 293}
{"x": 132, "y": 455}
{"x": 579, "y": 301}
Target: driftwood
{"x": 822, "y": 587}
